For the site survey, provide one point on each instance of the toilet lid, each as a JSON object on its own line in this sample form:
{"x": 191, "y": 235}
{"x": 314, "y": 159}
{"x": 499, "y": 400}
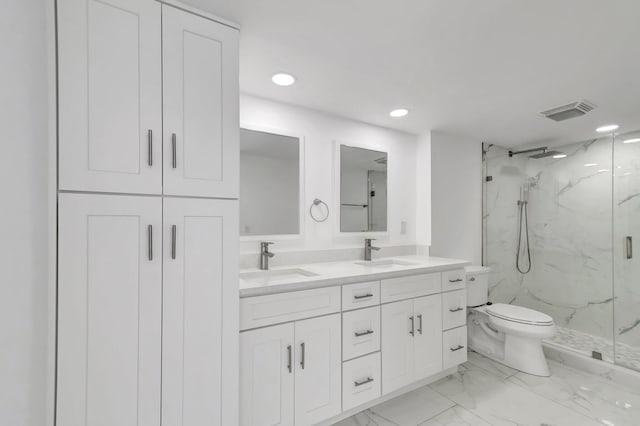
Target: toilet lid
{"x": 518, "y": 314}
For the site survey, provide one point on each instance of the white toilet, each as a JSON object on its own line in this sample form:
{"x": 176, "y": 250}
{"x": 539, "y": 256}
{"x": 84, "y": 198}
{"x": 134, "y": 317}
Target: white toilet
{"x": 509, "y": 334}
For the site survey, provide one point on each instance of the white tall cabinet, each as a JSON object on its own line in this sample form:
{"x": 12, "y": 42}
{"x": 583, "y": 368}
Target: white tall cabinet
{"x": 147, "y": 285}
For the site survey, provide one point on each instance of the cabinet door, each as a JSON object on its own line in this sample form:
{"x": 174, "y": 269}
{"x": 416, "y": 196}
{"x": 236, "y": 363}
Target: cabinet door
{"x": 200, "y": 98}
{"x": 109, "y": 310}
{"x": 397, "y": 345}
{"x": 318, "y": 369}
{"x": 110, "y": 107}
{"x": 427, "y": 342}
{"x": 200, "y": 312}
{"x": 266, "y": 376}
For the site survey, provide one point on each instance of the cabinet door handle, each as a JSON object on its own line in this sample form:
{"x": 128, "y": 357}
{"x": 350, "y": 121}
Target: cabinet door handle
{"x": 472, "y": 279}
{"x": 457, "y": 280}
{"x": 362, "y": 296}
{"x": 302, "y": 350}
{"x": 289, "y": 358}
{"x": 150, "y": 241}
{"x": 629, "y": 247}
{"x": 412, "y": 332}
{"x": 174, "y": 230}
{"x": 150, "y": 147}
{"x": 174, "y": 151}
{"x": 456, "y": 310}
{"x": 363, "y": 382}
{"x": 457, "y": 348}
{"x": 363, "y": 333}
{"x": 420, "y": 323}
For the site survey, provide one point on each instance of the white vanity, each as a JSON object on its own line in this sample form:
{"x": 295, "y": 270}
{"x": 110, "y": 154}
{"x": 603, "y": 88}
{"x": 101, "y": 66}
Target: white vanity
{"x": 323, "y": 341}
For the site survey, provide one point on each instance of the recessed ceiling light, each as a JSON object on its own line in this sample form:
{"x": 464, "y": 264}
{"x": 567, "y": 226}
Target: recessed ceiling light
{"x": 399, "y": 112}
{"x": 283, "y": 79}
{"x": 607, "y": 128}
{"x": 590, "y": 164}
{"x": 559, "y": 155}
{"x": 634, "y": 140}
{"x": 603, "y": 170}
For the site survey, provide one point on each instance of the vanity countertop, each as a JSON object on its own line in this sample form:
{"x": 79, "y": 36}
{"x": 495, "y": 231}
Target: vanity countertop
{"x": 254, "y": 282}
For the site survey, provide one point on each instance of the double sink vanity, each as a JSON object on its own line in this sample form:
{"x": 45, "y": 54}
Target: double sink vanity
{"x": 322, "y": 341}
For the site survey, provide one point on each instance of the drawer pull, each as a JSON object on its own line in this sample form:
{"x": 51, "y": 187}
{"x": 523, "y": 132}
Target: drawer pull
{"x": 363, "y": 333}
{"x": 472, "y": 279}
{"x": 457, "y": 348}
{"x": 363, "y": 382}
{"x": 457, "y": 280}
{"x": 456, "y": 310}
{"x": 363, "y": 296}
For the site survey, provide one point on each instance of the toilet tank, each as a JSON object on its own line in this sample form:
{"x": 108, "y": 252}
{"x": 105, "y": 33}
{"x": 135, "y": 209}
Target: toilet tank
{"x": 477, "y": 285}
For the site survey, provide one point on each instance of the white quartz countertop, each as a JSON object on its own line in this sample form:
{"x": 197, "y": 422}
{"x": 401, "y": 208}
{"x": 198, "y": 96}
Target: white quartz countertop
{"x": 254, "y": 282}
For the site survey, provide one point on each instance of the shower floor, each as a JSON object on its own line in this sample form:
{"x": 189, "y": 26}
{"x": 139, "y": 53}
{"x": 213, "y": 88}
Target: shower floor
{"x": 625, "y": 355}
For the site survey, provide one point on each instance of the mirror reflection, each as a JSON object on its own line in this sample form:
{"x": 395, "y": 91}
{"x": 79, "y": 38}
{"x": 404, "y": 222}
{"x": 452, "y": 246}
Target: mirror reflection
{"x": 269, "y": 183}
{"x": 363, "y": 190}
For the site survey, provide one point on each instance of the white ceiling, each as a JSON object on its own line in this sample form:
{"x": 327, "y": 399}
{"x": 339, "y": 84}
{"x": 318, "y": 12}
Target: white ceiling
{"x": 478, "y": 68}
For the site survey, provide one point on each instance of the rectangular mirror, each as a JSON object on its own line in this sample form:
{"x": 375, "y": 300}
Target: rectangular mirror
{"x": 269, "y": 183}
{"x": 363, "y": 190}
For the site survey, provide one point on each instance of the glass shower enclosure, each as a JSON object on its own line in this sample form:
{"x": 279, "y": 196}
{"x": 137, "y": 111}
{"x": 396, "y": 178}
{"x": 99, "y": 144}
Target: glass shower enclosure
{"x": 559, "y": 234}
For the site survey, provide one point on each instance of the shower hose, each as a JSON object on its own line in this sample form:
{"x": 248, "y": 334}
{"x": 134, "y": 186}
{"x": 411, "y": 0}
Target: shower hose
{"x": 523, "y": 222}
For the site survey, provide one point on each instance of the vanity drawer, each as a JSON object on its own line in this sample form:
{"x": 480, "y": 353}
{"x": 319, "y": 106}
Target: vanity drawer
{"x": 360, "y": 381}
{"x": 409, "y": 287}
{"x": 453, "y": 280}
{"x": 454, "y": 347}
{"x": 360, "y": 295}
{"x": 454, "y": 309}
{"x": 360, "y": 332}
{"x": 260, "y": 311}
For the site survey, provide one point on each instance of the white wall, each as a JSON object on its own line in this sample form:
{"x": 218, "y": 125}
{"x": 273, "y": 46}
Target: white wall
{"x": 24, "y": 221}
{"x": 456, "y": 197}
{"x": 320, "y": 131}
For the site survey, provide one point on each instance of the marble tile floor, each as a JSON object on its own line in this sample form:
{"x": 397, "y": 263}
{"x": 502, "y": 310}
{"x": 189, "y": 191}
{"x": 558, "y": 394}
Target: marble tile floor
{"x": 484, "y": 392}
{"x": 625, "y": 355}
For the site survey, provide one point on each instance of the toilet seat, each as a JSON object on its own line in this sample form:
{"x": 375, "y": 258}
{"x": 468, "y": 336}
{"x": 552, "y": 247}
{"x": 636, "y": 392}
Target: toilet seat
{"x": 518, "y": 314}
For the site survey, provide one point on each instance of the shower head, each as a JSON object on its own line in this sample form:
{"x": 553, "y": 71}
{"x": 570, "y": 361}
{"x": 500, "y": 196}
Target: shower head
{"x": 545, "y": 154}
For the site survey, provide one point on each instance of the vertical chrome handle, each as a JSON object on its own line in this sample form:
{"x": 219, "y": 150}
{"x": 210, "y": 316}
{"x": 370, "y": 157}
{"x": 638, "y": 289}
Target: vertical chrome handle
{"x": 150, "y": 240}
{"x": 174, "y": 151}
{"x": 412, "y": 332}
{"x": 302, "y": 350}
{"x": 420, "y": 323}
{"x": 289, "y": 358}
{"x": 173, "y": 241}
{"x": 150, "y": 147}
{"x": 629, "y": 246}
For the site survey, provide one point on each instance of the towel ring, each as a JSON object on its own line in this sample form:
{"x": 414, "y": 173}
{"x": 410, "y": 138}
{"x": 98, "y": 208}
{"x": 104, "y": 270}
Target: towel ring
{"x": 317, "y": 202}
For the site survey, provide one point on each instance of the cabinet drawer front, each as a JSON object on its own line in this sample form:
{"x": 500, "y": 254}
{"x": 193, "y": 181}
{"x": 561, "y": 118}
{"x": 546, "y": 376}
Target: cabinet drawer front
{"x": 453, "y": 280}
{"x": 360, "y": 295}
{"x": 407, "y": 287}
{"x": 277, "y": 308}
{"x": 454, "y": 347}
{"x": 360, "y": 332}
{"x": 454, "y": 309}
{"x": 360, "y": 381}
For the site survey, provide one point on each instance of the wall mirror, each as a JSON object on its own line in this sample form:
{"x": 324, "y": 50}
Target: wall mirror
{"x": 270, "y": 183}
{"x": 363, "y": 190}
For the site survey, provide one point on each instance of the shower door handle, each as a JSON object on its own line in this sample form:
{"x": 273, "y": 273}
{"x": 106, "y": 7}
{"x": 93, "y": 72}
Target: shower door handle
{"x": 629, "y": 247}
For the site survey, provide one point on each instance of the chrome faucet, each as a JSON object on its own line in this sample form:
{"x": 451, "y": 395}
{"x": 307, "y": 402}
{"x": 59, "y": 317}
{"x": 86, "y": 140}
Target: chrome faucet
{"x": 368, "y": 247}
{"x": 265, "y": 254}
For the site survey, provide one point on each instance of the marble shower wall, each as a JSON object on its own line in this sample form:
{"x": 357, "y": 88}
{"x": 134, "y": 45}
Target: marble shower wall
{"x": 571, "y": 212}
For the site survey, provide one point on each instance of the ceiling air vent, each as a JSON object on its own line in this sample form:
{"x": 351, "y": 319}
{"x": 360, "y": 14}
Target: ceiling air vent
{"x": 572, "y": 110}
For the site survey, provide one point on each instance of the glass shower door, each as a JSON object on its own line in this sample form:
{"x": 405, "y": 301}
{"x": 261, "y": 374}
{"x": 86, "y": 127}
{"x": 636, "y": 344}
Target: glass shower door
{"x": 626, "y": 247}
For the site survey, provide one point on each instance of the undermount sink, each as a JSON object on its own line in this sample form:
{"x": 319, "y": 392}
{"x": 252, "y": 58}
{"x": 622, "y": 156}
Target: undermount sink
{"x": 276, "y": 275}
{"x": 385, "y": 263}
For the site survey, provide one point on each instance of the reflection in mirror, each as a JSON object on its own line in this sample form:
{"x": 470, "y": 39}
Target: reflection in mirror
{"x": 363, "y": 190}
{"x": 269, "y": 183}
